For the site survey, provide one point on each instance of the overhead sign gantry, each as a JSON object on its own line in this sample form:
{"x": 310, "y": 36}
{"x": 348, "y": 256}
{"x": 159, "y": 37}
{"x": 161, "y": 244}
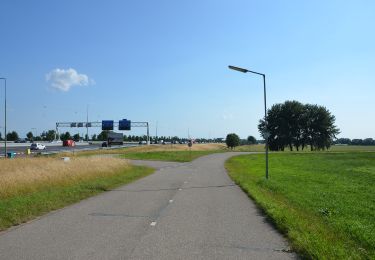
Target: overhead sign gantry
{"x": 122, "y": 125}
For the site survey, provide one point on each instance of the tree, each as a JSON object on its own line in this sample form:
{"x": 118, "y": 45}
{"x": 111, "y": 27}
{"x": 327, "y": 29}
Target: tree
{"x": 368, "y": 141}
{"x": 293, "y": 124}
{"x": 50, "y": 135}
{"x": 65, "y": 136}
{"x": 232, "y": 140}
{"x": 103, "y": 136}
{"x": 343, "y": 141}
{"x": 1, "y": 137}
{"x": 320, "y": 127}
{"x": 12, "y": 136}
{"x": 251, "y": 140}
{"x": 30, "y": 135}
{"x": 76, "y": 137}
{"x": 94, "y": 137}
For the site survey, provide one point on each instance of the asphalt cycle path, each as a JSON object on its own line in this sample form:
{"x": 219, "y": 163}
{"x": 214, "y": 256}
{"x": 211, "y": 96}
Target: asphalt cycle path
{"x": 182, "y": 211}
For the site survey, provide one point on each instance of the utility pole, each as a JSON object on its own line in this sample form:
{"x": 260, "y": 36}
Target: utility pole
{"x": 5, "y": 118}
{"x": 87, "y": 123}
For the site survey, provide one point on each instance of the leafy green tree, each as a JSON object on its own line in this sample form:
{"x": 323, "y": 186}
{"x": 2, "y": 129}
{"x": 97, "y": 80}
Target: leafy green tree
{"x": 293, "y": 124}
{"x": 12, "y": 136}
{"x": 50, "y": 135}
{"x": 275, "y": 128}
{"x": 93, "y": 137}
{"x": 1, "y": 136}
{"x": 232, "y": 140}
{"x": 251, "y": 140}
{"x": 65, "y": 136}
{"x": 30, "y": 136}
{"x": 321, "y": 130}
{"x": 103, "y": 136}
{"x": 357, "y": 142}
{"x": 76, "y": 137}
{"x": 368, "y": 141}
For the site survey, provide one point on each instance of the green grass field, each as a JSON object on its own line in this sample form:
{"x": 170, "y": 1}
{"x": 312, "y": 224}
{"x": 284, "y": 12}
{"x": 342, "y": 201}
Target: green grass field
{"x": 323, "y": 202}
{"x": 333, "y": 148}
{"x": 175, "y": 156}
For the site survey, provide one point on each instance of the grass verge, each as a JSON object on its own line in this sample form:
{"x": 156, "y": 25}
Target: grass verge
{"x": 47, "y": 184}
{"x": 175, "y": 156}
{"x": 323, "y": 202}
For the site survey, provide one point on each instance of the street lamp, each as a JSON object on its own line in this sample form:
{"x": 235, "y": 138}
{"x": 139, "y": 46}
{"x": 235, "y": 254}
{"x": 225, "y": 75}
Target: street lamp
{"x": 5, "y": 117}
{"x": 266, "y": 134}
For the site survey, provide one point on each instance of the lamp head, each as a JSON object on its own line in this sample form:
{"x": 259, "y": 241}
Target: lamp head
{"x": 238, "y": 69}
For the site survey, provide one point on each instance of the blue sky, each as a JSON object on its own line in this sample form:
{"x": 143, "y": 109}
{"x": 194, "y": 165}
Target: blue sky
{"x": 166, "y": 62}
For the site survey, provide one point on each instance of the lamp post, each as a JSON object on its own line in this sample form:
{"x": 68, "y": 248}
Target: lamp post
{"x": 5, "y": 117}
{"x": 266, "y": 134}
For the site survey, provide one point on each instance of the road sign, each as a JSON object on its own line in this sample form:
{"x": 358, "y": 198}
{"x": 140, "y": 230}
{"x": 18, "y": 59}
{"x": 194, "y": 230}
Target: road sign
{"x": 107, "y": 125}
{"x": 124, "y": 125}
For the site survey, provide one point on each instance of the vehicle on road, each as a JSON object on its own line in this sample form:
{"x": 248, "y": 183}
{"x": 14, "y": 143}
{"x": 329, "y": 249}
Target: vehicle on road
{"x": 104, "y": 144}
{"x": 115, "y": 138}
{"x": 69, "y": 143}
{"x": 21, "y": 141}
{"x": 37, "y": 146}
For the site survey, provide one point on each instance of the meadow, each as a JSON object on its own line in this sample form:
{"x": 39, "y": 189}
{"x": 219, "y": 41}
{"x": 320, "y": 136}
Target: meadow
{"x": 170, "y": 152}
{"x": 30, "y": 187}
{"x": 324, "y": 202}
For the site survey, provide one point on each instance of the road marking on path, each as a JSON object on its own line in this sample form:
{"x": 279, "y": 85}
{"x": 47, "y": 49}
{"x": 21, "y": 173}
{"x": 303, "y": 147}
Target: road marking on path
{"x": 185, "y": 182}
{"x": 179, "y": 189}
{"x": 170, "y": 201}
{"x": 153, "y": 223}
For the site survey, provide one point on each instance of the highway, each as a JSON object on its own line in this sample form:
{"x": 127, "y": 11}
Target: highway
{"x": 20, "y": 148}
{"x": 182, "y": 211}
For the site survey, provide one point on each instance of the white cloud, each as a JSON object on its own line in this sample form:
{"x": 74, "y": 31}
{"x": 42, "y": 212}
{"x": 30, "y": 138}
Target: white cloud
{"x": 64, "y": 80}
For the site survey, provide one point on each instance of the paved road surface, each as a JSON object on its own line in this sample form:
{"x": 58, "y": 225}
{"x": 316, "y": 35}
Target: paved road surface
{"x": 183, "y": 211}
{"x": 20, "y": 149}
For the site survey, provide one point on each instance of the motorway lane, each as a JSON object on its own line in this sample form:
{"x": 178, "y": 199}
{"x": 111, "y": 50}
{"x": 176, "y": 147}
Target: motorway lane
{"x": 182, "y": 211}
{"x": 53, "y": 148}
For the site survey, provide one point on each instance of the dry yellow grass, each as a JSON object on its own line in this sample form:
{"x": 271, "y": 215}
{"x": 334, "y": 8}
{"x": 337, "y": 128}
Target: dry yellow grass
{"x": 25, "y": 175}
{"x": 153, "y": 148}
{"x": 177, "y": 147}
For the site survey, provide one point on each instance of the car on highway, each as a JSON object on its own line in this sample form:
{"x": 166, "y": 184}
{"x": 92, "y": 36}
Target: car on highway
{"x": 69, "y": 143}
{"x": 37, "y": 146}
{"x": 21, "y": 141}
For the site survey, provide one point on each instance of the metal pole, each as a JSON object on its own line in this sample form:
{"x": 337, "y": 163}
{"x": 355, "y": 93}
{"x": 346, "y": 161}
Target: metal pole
{"x": 5, "y": 118}
{"x": 266, "y": 122}
{"x": 87, "y": 123}
{"x": 148, "y": 135}
{"x": 57, "y": 130}
{"x": 266, "y": 134}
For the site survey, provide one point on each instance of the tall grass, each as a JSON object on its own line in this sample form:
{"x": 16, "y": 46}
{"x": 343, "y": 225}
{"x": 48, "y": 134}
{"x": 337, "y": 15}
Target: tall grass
{"x": 26, "y": 175}
{"x": 33, "y": 186}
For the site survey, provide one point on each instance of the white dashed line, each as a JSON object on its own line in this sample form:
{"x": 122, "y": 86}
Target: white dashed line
{"x": 180, "y": 189}
{"x": 153, "y": 223}
{"x": 170, "y": 201}
{"x": 185, "y": 182}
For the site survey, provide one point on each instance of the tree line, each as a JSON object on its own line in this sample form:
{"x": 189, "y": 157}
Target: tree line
{"x": 51, "y": 135}
{"x": 295, "y": 125}
{"x": 348, "y": 141}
